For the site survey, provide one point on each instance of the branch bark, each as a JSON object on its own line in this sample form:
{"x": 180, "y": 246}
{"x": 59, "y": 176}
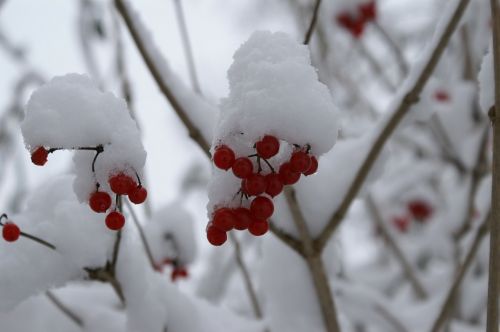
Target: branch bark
{"x": 409, "y": 99}
{"x": 315, "y": 264}
{"x": 64, "y": 309}
{"x": 492, "y": 320}
{"x": 312, "y": 25}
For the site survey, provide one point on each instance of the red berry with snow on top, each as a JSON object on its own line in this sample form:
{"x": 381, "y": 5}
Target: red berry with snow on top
{"x": 39, "y": 156}
{"x": 122, "y": 184}
{"x": 224, "y": 157}
{"x": 267, "y": 147}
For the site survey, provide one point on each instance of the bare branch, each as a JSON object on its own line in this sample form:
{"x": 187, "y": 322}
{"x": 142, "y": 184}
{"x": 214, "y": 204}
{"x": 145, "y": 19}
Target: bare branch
{"x": 288, "y": 239}
{"x": 400, "y": 59}
{"x": 409, "y": 99}
{"x": 312, "y": 25}
{"x": 144, "y": 240}
{"x": 64, "y": 309}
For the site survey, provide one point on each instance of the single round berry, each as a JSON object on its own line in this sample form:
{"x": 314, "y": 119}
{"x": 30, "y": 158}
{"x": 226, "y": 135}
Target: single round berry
{"x": 267, "y": 147}
{"x": 368, "y": 11}
{"x": 242, "y": 168}
{"x": 223, "y": 219}
{"x": 100, "y": 201}
{"x": 122, "y": 184}
{"x": 216, "y": 236}
{"x": 420, "y": 210}
{"x": 39, "y": 156}
{"x": 224, "y": 157}
{"x": 138, "y": 195}
{"x": 288, "y": 176}
{"x": 10, "y": 232}
{"x": 300, "y": 162}
{"x": 442, "y": 96}
{"x": 242, "y": 218}
{"x": 274, "y": 185}
{"x": 258, "y": 227}
{"x": 115, "y": 220}
{"x": 262, "y": 208}
{"x": 254, "y": 185}
{"x": 313, "y": 168}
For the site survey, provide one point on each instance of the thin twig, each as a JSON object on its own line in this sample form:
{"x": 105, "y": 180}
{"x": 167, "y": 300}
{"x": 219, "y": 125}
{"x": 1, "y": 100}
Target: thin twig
{"x": 188, "y": 52}
{"x": 246, "y": 277}
{"x": 31, "y": 237}
{"x": 403, "y": 261}
{"x": 410, "y": 98}
{"x": 315, "y": 264}
{"x": 144, "y": 240}
{"x": 403, "y": 65}
{"x": 389, "y": 317}
{"x": 312, "y": 25}
{"x": 492, "y": 320}
{"x": 377, "y": 68}
{"x": 64, "y": 309}
{"x": 194, "y": 132}
{"x": 448, "y": 303}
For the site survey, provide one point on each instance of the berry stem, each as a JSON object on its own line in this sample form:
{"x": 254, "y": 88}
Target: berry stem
{"x": 99, "y": 150}
{"x": 64, "y": 309}
{"x": 259, "y": 164}
{"x": 268, "y": 164}
{"x": 138, "y": 179}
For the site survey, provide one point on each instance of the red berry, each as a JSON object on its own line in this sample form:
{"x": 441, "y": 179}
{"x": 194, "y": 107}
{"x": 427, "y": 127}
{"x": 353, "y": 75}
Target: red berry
{"x": 179, "y": 272}
{"x": 39, "y": 156}
{"x": 216, "y": 236}
{"x": 313, "y": 168}
{"x": 115, "y": 220}
{"x": 242, "y": 218}
{"x": 242, "y": 168}
{"x": 138, "y": 195}
{"x": 300, "y": 162}
{"x": 10, "y": 232}
{"x": 223, "y": 219}
{"x": 442, "y": 96}
{"x": 267, "y": 147}
{"x": 254, "y": 185}
{"x": 288, "y": 176}
{"x": 262, "y": 208}
{"x": 401, "y": 223}
{"x": 274, "y": 184}
{"x": 224, "y": 157}
{"x": 420, "y": 209}
{"x": 357, "y": 28}
{"x": 258, "y": 227}
{"x": 368, "y": 11}
{"x": 345, "y": 20}
{"x": 122, "y": 184}
{"x": 100, "y": 201}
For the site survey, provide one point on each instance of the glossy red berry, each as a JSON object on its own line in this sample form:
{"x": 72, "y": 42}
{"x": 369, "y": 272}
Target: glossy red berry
{"x": 274, "y": 185}
{"x": 261, "y": 208}
{"x": 300, "y": 162}
{"x": 100, "y": 201}
{"x": 442, "y": 96}
{"x": 10, "y": 232}
{"x": 420, "y": 209}
{"x": 368, "y": 11}
{"x": 313, "y": 168}
{"x": 242, "y": 218}
{"x": 138, "y": 195}
{"x": 242, "y": 168}
{"x": 223, "y": 219}
{"x": 224, "y": 157}
{"x": 267, "y": 147}
{"x": 122, "y": 184}
{"x": 255, "y": 184}
{"x": 115, "y": 220}
{"x": 179, "y": 272}
{"x": 216, "y": 236}
{"x": 39, "y": 156}
{"x": 288, "y": 176}
{"x": 401, "y": 223}
{"x": 258, "y": 227}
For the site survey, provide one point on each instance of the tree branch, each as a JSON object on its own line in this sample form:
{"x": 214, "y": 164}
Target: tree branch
{"x": 144, "y": 240}
{"x": 409, "y": 99}
{"x": 288, "y": 239}
{"x": 64, "y": 309}
{"x": 312, "y": 25}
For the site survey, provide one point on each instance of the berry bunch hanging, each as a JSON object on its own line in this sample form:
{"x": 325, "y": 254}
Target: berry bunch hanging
{"x": 354, "y": 20}
{"x": 260, "y": 183}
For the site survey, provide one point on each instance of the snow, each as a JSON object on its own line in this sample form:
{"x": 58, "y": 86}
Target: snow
{"x": 84, "y": 117}
{"x": 486, "y": 82}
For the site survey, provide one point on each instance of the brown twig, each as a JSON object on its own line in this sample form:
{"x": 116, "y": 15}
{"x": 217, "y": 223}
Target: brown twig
{"x": 401, "y": 258}
{"x": 492, "y": 320}
{"x": 64, "y": 309}
{"x": 144, "y": 240}
{"x": 246, "y": 277}
{"x": 448, "y": 303}
{"x": 194, "y": 132}
{"x": 106, "y": 275}
{"x": 377, "y": 68}
{"x": 188, "y": 52}
{"x": 288, "y": 239}
{"x": 315, "y": 264}
{"x": 403, "y": 65}
{"x": 409, "y": 99}
{"x": 312, "y": 25}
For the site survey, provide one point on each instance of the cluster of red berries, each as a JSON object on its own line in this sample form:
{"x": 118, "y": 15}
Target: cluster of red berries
{"x": 178, "y": 270}
{"x": 355, "y": 22}
{"x": 100, "y": 201}
{"x": 418, "y": 210}
{"x": 253, "y": 183}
